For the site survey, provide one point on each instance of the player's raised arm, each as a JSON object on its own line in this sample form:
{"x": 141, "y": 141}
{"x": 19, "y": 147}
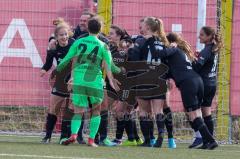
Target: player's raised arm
{"x": 107, "y": 57}
{"x": 49, "y": 60}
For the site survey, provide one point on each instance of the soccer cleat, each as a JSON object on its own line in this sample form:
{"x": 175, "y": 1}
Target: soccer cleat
{"x": 62, "y": 140}
{"x": 129, "y": 143}
{"x": 152, "y": 142}
{"x": 64, "y": 137}
{"x": 203, "y": 147}
{"x": 209, "y": 146}
{"x": 145, "y": 144}
{"x": 171, "y": 143}
{"x": 117, "y": 142}
{"x": 70, "y": 140}
{"x": 158, "y": 143}
{"x": 139, "y": 141}
{"x": 198, "y": 141}
{"x": 46, "y": 140}
{"x": 91, "y": 143}
{"x": 107, "y": 142}
{"x": 212, "y": 145}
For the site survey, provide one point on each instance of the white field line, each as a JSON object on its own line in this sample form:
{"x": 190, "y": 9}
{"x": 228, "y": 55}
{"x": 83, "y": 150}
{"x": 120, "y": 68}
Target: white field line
{"x": 39, "y": 156}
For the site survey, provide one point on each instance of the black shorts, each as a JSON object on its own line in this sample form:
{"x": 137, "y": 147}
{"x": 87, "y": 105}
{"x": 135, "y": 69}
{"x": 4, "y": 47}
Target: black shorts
{"x": 59, "y": 87}
{"x": 192, "y": 93}
{"x": 209, "y": 93}
{"x": 113, "y": 94}
{"x": 162, "y": 97}
{"x": 61, "y": 94}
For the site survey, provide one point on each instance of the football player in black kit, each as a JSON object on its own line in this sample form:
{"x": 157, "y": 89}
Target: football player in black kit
{"x": 206, "y": 67}
{"x": 59, "y": 95}
{"x": 151, "y": 107}
{"x": 139, "y": 39}
{"x": 189, "y": 83}
{"x": 119, "y": 41}
{"x": 79, "y": 31}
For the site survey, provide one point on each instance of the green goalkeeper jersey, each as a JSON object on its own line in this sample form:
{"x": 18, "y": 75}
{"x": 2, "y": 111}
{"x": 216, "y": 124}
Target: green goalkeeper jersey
{"x": 89, "y": 53}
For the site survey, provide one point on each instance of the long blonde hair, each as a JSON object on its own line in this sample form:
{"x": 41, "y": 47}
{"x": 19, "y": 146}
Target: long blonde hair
{"x": 182, "y": 44}
{"x": 156, "y": 26}
{"x": 61, "y": 23}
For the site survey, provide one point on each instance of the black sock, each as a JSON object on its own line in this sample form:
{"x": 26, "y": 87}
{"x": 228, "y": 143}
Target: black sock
{"x": 66, "y": 123}
{"x": 209, "y": 123}
{"x": 97, "y": 139}
{"x": 51, "y": 122}
{"x": 103, "y": 125}
{"x": 168, "y": 121}
{"x": 80, "y": 131}
{"x": 120, "y": 128}
{"x": 129, "y": 126}
{"x": 144, "y": 124}
{"x": 151, "y": 128}
{"x": 65, "y": 129}
{"x": 135, "y": 131}
{"x": 199, "y": 125}
{"x": 191, "y": 124}
{"x": 160, "y": 124}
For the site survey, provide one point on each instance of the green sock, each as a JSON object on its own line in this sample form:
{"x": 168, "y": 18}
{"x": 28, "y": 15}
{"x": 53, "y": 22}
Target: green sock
{"x": 94, "y": 125}
{"x": 76, "y": 123}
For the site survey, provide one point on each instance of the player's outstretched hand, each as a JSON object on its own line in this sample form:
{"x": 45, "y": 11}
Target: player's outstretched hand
{"x": 114, "y": 83}
{"x": 70, "y": 85}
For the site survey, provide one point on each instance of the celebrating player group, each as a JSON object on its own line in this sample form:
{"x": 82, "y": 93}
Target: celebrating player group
{"x": 129, "y": 76}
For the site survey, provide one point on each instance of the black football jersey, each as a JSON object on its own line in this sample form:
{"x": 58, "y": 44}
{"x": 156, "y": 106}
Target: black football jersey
{"x": 206, "y": 65}
{"x": 57, "y": 54}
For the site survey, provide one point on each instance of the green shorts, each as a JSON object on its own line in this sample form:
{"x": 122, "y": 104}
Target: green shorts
{"x": 82, "y": 96}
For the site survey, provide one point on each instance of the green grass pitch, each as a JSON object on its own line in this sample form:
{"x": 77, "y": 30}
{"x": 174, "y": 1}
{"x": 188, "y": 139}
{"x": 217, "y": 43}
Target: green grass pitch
{"x": 12, "y": 147}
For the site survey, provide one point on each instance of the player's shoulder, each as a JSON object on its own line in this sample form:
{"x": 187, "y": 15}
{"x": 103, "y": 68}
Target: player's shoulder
{"x": 136, "y": 37}
{"x": 207, "y": 50}
{"x": 95, "y": 41}
{"x": 140, "y": 41}
{"x": 155, "y": 41}
{"x": 105, "y": 46}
